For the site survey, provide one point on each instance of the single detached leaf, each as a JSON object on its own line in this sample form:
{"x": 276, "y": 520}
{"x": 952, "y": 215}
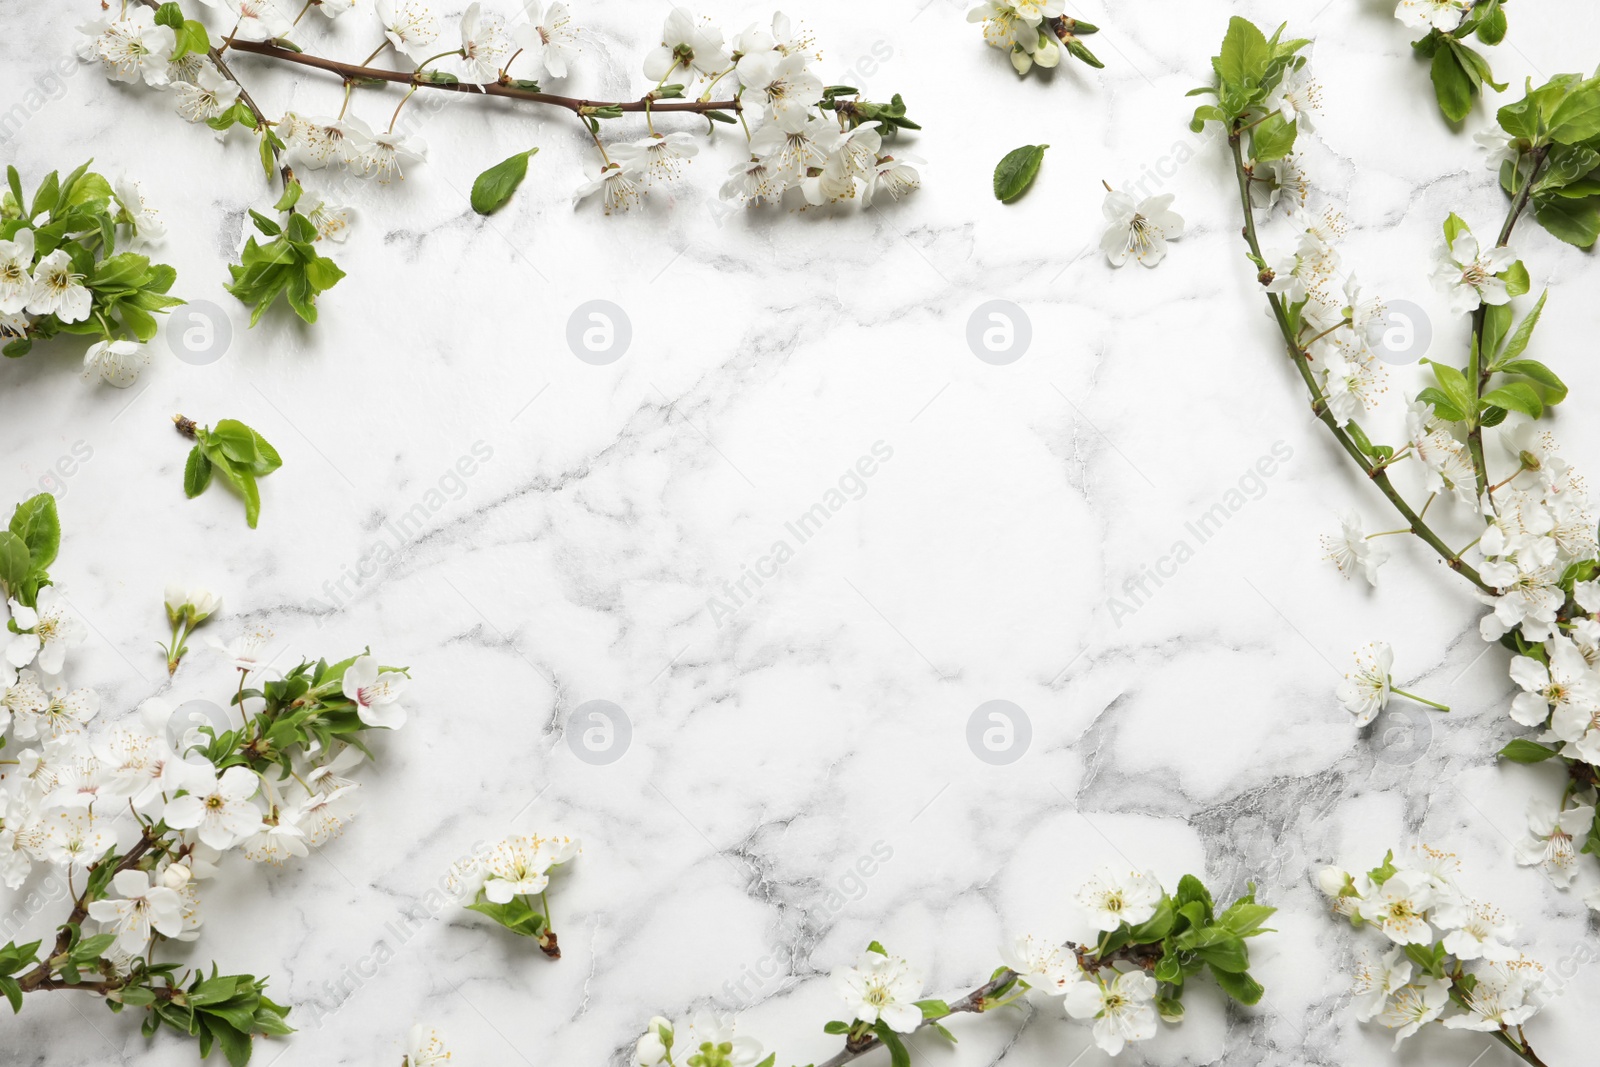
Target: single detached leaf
{"x": 196, "y": 473}
{"x": 1522, "y": 750}
{"x": 495, "y": 185}
{"x": 1016, "y": 171}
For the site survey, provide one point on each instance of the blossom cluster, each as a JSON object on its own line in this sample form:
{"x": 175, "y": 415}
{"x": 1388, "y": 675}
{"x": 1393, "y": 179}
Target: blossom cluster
{"x": 61, "y": 273}
{"x": 1446, "y": 950}
{"x": 822, "y": 141}
{"x": 269, "y": 779}
{"x": 1033, "y": 33}
{"x": 1147, "y": 943}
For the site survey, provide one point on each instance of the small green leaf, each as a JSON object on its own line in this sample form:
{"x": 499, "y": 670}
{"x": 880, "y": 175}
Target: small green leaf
{"x": 196, "y": 473}
{"x": 1452, "y": 85}
{"x": 237, "y": 441}
{"x": 495, "y": 185}
{"x": 1016, "y": 171}
{"x": 1239, "y": 985}
{"x": 1273, "y": 138}
{"x": 1522, "y": 750}
{"x": 36, "y": 522}
{"x": 1556, "y": 389}
{"x": 1516, "y": 396}
{"x": 14, "y": 562}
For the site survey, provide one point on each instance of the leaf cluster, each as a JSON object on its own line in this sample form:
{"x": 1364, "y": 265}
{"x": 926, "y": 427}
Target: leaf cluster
{"x": 1458, "y": 71}
{"x": 80, "y": 215}
{"x": 220, "y": 1011}
{"x": 1192, "y": 936}
{"x": 287, "y": 265}
{"x": 1247, "y": 68}
{"x": 1555, "y": 135}
{"x": 240, "y": 453}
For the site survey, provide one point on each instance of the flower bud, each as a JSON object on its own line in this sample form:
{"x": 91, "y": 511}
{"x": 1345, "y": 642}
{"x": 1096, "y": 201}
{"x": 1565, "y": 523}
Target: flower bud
{"x": 1333, "y": 880}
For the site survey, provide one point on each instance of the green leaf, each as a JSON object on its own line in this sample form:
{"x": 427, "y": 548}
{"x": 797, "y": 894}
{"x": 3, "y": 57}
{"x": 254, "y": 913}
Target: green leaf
{"x": 1206, "y": 113}
{"x": 1454, "y": 226}
{"x": 267, "y": 458}
{"x": 1516, "y": 396}
{"x": 1245, "y": 917}
{"x": 1496, "y": 321}
{"x": 15, "y": 564}
{"x": 1522, "y": 750}
{"x": 1015, "y": 173}
{"x": 169, "y": 14}
{"x": 1244, "y": 57}
{"x": 36, "y": 522}
{"x": 1576, "y": 222}
{"x": 13, "y": 992}
{"x": 196, "y": 473}
{"x": 898, "y": 1056}
{"x": 1157, "y": 926}
{"x": 1452, "y": 85}
{"x": 1192, "y": 890}
{"x": 264, "y": 224}
{"x": 45, "y": 197}
{"x": 1273, "y": 138}
{"x": 1524, "y": 333}
{"x": 1531, "y": 368}
{"x": 237, "y": 441}
{"x": 1491, "y": 23}
{"x": 1577, "y": 118}
{"x": 494, "y": 186}
{"x": 1239, "y": 985}
{"x": 1454, "y": 385}
{"x": 89, "y": 189}
{"x": 1516, "y": 279}
{"x": 933, "y": 1009}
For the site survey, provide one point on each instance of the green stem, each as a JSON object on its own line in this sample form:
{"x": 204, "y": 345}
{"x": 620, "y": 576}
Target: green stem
{"x": 1319, "y": 406}
{"x": 1419, "y": 700}
{"x": 1480, "y": 362}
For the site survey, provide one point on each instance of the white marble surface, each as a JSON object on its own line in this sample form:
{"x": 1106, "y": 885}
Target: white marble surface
{"x": 828, "y": 716}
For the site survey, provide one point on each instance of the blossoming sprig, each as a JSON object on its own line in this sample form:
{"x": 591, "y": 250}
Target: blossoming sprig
{"x": 61, "y": 273}
{"x": 1367, "y": 690}
{"x": 823, "y": 144}
{"x": 241, "y": 453}
{"x": 269, "y": 778}
{"x": 513, "y": 878}
{"x": 1457, "y": 70}
{"x": 187, "y": 611}
{"x": 1150, "y": 943}
{"x": 1033, "y": 32}
{"x": 1445, "y": 950}
{"x": 1540, "y": 560}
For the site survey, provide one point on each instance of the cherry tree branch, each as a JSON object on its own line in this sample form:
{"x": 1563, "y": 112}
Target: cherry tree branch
{"x": 1319, "y": 404}
{"x": 355, "y": 73}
